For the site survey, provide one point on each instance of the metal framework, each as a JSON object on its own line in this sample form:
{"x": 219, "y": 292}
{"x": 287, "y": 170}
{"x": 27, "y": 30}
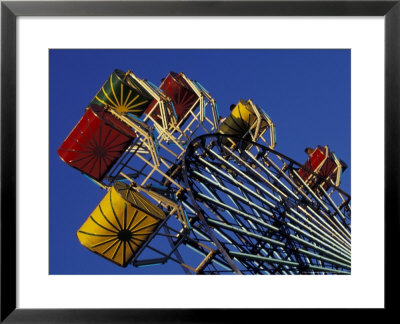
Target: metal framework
{"x": 231, "y": 204}
{"x": 265, "y": 216}
{"x": 155, "y": 156}
{"x": 249, "y": 212}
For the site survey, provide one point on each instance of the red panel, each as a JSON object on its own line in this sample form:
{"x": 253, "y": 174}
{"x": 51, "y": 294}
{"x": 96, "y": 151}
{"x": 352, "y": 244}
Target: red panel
{"x": 327, "y": 169}
{"x": 304, "y": 174}
{"x": 316, "y": 158}
{"x": 96, "y": 143}
{"x": 312, "y": 163}
{"x": 183, "y": 97}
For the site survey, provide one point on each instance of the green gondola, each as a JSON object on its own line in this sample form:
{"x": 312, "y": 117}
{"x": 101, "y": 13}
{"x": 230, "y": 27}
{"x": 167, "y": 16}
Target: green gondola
{"x": 123, "y": 94}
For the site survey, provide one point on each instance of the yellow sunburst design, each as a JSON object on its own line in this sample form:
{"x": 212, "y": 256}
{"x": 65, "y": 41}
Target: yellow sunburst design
{"x": 132, "y": 99}
{"x": 120, "y": 224}
{"x": 122, "y": 106}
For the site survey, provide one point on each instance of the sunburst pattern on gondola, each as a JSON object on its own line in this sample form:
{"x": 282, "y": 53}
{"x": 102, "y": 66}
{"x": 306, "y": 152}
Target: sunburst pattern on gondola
{"x": 96, "y": 143}
{"x": 120, "y": 224}
{"x": 123, "y": 94}
{"x": 183, "y": 97}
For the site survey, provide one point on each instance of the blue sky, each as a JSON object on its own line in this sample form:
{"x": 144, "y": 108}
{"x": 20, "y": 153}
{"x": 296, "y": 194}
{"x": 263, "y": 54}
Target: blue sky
{"x": 305, "y": 92}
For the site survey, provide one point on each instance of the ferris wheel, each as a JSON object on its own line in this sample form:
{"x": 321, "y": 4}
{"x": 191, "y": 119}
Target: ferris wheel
{"x": 184, "y": 185}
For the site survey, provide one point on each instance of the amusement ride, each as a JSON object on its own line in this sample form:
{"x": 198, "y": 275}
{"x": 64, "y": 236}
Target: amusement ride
{"x": 182, "y": 184}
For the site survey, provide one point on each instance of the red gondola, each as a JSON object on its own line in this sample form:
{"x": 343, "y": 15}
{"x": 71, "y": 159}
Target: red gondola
{"x": 182, "y": 95}
{"x": 96, "y": 143}
{"x": 322, "y": 162}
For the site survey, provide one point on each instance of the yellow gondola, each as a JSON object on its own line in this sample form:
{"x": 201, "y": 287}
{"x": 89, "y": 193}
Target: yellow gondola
{"x": 242, "y": 123}
{"x": 120, "y": 224}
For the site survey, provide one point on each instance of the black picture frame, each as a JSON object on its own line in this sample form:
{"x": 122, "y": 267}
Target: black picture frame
{"x": 10, "y": 10}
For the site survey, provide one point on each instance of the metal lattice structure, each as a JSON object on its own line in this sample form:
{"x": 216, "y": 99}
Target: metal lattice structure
{"x": 263, "y": 213}
{"x": 211, "y": 195}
